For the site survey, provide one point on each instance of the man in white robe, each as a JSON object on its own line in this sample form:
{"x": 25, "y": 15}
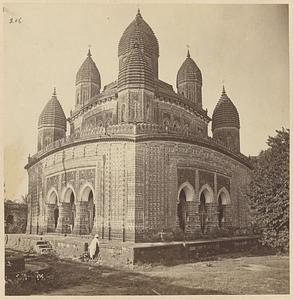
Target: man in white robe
{"x": 94, "y": 247}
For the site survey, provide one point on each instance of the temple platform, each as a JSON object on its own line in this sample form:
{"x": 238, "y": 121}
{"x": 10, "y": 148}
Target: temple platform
{"x": 128, "y": 253}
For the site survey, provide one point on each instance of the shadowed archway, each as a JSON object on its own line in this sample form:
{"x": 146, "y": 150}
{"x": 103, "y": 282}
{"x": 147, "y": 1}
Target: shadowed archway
{"x": 205, "y": 197}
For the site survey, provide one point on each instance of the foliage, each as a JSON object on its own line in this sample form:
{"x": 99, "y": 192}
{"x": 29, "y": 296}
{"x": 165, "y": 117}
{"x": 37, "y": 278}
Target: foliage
{"x": 269, "y": 192}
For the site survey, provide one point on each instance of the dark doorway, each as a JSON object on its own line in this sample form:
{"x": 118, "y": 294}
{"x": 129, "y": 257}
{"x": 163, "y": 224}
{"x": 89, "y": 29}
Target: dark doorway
{"x": 56, "y": 216}
{"x": 91, "y": 211}
{"x": 181, "y": 210}
{"x": 72, "y": 209}
{"x": 202, "y": 212}
{"x": 220, "y": 211}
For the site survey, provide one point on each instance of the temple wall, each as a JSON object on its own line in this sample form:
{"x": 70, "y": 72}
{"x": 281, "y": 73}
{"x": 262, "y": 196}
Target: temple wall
{"x": 135, "y": 190}
{"x": 163, "y": 167}
{"x": 107, "y": 169}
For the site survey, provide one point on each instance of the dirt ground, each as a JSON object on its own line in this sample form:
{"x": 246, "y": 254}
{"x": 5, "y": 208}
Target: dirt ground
{"x": 233, "y": 274}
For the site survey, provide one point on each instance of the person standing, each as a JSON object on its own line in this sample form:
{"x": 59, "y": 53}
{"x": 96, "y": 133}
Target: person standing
{"x": 94, "y": 247}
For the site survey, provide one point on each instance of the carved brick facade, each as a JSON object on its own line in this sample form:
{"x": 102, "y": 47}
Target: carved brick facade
{"x": 138, "y": 160}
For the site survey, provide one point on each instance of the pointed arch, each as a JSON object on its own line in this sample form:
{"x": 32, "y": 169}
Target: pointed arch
{"x": 52, "y": 196}
{"x": 224, "y": 195}
{"x": 85, "y": 191}
{"x": 188, "y": 190}
{"x": 67, "y": 192}
{"x": 87, "y": 196}
{"x": 208, "y": 193}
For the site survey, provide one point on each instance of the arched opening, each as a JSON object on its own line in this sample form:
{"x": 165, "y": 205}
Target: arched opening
{"x": 166, "y": 124}
{"x": 69, "y": 198}
{"x": 188, "y": 190}
{"x": 181, "y": 210}
{"x": 186, "y": 129}
{"x": 52, "y": 211}
{"x": 223, "y": 200}
{"x": 176, "y": 125}
{"x": 205, "y": 197}
{"x": 87, "y": 195}
{"x": 185, "y": 195}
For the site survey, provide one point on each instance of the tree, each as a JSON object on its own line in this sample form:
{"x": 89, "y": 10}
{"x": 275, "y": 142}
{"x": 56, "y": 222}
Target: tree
{"x": 269, "y": 192}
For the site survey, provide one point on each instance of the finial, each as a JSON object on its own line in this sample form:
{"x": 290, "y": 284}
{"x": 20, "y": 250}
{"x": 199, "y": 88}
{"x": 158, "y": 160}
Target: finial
{"x": 188, "y": 53}
{"x": 223, "y": 91}
{"x": 89, "y": 52}
{"x": 54, "y": 91}
{"x": 138, "y": 13}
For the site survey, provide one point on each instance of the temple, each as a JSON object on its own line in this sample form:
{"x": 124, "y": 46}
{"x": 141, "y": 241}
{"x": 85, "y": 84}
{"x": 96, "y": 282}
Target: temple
{"x": 134, "y": 159}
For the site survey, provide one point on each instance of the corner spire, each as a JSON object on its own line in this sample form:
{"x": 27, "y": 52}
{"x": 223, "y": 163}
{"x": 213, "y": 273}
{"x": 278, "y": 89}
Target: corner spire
{"x": 188, "y": 53}
{"x": 54, "y": 92}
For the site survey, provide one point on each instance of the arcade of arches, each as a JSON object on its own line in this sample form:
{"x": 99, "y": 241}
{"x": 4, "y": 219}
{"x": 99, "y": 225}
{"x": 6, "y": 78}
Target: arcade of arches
{"x": 69, "y": 215}
{"x": 203, "y": 211}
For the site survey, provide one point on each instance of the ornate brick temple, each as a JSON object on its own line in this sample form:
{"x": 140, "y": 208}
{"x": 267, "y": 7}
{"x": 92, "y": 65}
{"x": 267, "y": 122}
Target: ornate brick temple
{"x": 137, "y": 160}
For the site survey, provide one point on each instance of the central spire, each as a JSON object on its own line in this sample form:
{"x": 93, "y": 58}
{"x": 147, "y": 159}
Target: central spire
{"x": 188, "y": 54}
{"x": 139, "y": 30}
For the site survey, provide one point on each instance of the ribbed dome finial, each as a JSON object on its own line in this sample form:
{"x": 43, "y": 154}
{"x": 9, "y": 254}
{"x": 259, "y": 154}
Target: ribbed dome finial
{"x": 52, "y": 115}
{"x": 189, "y": 71}
{"x": 223, "y": 91}
{"x": 138, "y": 13}
{"x": 225, "y": 113}
{"x": 138, "y": 29}
{"x": 88, "y": 71}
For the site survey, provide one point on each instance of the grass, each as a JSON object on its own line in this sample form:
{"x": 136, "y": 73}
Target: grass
{"x": 230, "y": 274}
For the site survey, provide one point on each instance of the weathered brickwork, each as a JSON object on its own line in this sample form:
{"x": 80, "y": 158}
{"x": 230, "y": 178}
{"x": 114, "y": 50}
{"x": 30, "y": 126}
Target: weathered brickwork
{"x": 206, "y": 178}
{"x": 223, "y": 181}
{"x": 159, "y": 175}
{"x": 138, "y": 163}
{"x": 106, "y": 170}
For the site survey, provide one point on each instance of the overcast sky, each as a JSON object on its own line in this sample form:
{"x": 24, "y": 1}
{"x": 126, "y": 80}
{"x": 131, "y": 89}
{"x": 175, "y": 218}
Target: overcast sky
{"x": 246, "y": 46}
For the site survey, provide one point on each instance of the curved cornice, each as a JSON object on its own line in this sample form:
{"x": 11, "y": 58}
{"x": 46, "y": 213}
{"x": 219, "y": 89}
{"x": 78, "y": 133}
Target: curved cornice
{"x": 144, "y": 138}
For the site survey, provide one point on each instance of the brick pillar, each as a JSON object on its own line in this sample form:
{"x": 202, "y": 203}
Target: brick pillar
{"x": 227, "y": 213}
{"x": 64, "y": 218}
{"x": 29, "y": 215}
{"x": 50, "y": 217}
{"x": 209, "y": 217}
{"x": 81, "y": 225}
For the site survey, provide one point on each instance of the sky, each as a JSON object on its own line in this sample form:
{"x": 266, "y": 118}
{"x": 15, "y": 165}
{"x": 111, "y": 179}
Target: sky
{"x": 243, "y": 46}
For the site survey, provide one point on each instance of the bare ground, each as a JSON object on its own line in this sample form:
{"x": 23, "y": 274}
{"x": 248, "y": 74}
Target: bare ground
{"x": 233, "y": 274}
